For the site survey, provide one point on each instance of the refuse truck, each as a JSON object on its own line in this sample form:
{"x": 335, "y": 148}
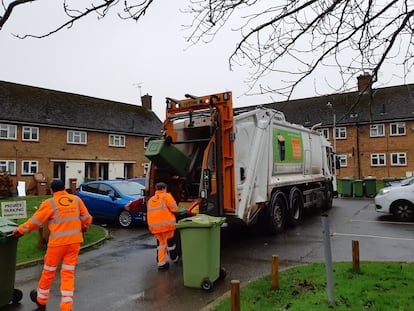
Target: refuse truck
{"x": 250, "y": 166}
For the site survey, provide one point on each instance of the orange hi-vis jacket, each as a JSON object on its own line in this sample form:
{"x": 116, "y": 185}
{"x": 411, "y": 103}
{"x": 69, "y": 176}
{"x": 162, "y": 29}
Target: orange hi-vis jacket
{"x": 160, "y": 212}
{"x": 67, "y": 216}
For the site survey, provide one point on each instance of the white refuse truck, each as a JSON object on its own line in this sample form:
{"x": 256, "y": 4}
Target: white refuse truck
{"x": 246, "y": 165}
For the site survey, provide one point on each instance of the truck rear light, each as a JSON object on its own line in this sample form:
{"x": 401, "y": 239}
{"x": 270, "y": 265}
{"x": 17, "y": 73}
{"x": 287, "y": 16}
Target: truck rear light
{"x": 137, "y": 205}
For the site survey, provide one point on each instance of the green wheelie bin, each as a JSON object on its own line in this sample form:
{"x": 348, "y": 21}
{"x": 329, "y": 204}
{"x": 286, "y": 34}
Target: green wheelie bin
{"x": 8, "y": 253}
{"x": 200, "y": 243}
{"x": 357, "y": 188}
{"x": 370, "y": 186}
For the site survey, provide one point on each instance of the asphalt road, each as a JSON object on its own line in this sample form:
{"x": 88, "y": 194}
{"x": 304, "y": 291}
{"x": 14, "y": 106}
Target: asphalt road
{"x": 122, "y": 274}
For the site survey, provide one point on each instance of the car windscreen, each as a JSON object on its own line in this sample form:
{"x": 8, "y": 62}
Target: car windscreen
{"x": 129, "y": 188}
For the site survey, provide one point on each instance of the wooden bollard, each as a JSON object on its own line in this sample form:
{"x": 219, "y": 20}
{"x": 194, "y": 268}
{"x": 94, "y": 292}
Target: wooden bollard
{"x": 355, "y": 255}
{"x": 275, "y": 272}
{"x": 235, "y": 295}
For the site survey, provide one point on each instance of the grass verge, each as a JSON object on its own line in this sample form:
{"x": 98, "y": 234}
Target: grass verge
{"x": 376, "y": 286}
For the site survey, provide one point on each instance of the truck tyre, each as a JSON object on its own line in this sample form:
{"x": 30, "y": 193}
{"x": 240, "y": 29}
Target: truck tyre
{"x": 295, "y": 206}
{"x": 278, "y": 211}
{"x": 327, "y": 204}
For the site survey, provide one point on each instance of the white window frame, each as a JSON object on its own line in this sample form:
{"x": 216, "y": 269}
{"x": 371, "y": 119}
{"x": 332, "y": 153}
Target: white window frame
{"x": 340, "y": 132}
{"x": 379, "y": 158}
{"x": 343, "y": 160}
{"x": 116, "y": 140}
{"x": 77, "y": 137}
{"x": 29, "y": 167}
{"x": 8, "y": 166}
{"x": 8, "y": 131}
{"x": 397, "y": 129}
{"x": 31, "y": 132}
{"x": 324, "y": 133}
{"x": 377, "y": 130}
{"x": 398, "y": 159}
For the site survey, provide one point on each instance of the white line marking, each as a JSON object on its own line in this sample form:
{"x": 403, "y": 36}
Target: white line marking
{"x": 383, "y": 222}
{"x": 371, "y": 236}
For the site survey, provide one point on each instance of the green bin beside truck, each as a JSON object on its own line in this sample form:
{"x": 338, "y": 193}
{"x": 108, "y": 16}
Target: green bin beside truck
{"x": 200, "y": 243}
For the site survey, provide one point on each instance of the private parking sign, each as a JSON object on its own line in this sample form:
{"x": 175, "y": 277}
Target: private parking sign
{"x": 14, "y": 209}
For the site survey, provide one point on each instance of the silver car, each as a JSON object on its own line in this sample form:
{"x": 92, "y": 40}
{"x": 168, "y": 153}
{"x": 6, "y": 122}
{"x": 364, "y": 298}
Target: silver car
{"x": 397, "y": 200}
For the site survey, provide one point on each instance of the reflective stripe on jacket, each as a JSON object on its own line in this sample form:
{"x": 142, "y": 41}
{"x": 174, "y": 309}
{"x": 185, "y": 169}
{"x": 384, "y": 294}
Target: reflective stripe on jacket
{"x": 66, "y": 214}
{"x": 160, "y": 212}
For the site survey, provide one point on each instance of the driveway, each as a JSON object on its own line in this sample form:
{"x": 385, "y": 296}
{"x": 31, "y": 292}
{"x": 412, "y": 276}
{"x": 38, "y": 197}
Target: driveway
{"x": 122, "y": 274}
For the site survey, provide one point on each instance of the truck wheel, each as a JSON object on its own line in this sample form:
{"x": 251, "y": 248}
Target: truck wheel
{"x": 295, "y": 206}
{"x": 327, "y": 204}
{"x": 278, "y": 209}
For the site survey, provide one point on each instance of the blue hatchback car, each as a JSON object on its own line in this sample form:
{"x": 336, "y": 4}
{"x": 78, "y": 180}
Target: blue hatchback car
{"x": 116, "y": 200}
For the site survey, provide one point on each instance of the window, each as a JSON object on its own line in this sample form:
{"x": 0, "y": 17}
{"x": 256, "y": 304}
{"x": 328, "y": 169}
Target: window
{"x": 8, "y": 131}
{"x": 29, "y": 167}
{"x": 8, "y": 166}
{"x": 378, "y": 159}
{"x": 324, "y": 133}
{"x": 397, "y": 129}
{"x": 343, "y": 160}
{"x": 76, "y": 137}
{"x": 340, "y": 133}
{"x": 116, "y": 140}
{"x": 377, "y": 130}
{"x": 399, "y": 159}
{"x": 30, "y": 133}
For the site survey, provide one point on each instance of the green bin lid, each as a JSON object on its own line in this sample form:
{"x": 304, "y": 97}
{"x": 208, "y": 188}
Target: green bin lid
{"x": 6, "y": 226}
{"x": 200, "y": 221}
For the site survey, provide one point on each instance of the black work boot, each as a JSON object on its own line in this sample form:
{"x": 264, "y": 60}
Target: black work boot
{"x": 165, "y": 266}
{"x": 33, "y": 297}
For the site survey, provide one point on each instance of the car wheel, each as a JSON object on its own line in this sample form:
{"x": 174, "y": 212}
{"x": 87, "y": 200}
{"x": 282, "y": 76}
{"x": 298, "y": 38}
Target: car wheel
{"x": 402, "y": 210}
{"x": 125, "y": 219}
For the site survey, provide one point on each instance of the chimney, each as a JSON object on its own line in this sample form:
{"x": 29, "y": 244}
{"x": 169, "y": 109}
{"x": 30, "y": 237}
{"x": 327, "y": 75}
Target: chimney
{"x": 364, "y": 83}
{"x": 146, "y": 101}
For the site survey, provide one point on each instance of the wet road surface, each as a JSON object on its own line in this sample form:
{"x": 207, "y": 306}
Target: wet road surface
{"x": 122, "y": 274}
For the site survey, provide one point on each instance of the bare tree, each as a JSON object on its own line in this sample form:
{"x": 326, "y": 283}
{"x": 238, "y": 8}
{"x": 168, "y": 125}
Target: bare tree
{"x": 290, "y": 38}
{"x": 349, "y": 35}
{"x": 133, "y": 9}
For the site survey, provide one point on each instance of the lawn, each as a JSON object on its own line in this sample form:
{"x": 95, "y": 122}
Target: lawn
{"x": 380, "y": 286}
{"x": 27, "y": 249}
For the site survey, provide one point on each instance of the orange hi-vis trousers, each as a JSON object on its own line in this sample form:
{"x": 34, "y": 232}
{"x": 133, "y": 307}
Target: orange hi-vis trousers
{"x": 68, "y": 254}
{"x": 165, "y": 246}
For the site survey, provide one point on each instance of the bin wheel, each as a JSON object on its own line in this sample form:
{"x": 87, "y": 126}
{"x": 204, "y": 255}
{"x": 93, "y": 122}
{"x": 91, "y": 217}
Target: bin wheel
{"x": 222, "y": 274}
{"x": 17, "y": 295}
{"x": 207, "y": 285}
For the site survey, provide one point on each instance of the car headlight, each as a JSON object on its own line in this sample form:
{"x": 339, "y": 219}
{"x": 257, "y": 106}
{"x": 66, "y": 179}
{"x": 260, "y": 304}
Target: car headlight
{"x": 384, "y": 191}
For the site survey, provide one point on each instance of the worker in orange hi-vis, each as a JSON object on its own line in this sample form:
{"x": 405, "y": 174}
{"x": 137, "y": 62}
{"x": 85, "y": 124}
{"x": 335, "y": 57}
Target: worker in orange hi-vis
{"x": 68, "y": 219}
{"x": 161, "y": 210}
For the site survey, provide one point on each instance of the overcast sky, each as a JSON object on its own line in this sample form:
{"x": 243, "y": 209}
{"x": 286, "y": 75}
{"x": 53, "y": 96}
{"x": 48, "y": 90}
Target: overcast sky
{"x": 120, "y": 60}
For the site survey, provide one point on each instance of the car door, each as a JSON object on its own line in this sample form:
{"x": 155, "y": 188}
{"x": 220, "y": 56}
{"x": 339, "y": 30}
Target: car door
{"x": 108, "y": 201}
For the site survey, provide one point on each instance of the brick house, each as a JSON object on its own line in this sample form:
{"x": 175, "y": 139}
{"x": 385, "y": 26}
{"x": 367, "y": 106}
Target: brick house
{"x": 374, "y": 127}
{"x": 49, "y": 134}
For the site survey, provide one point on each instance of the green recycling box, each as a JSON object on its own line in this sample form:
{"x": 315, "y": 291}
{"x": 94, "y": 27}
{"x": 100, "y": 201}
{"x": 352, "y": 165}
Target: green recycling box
{"x": 200, "y": 243}
{"x": 8, "y": 253}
